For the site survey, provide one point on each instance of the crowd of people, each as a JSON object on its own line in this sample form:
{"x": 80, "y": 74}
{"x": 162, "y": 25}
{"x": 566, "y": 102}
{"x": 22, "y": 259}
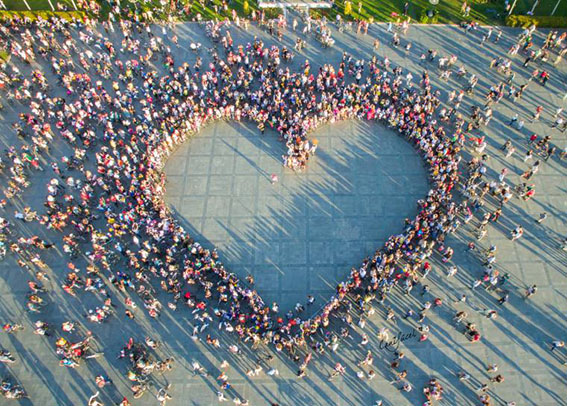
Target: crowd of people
{"x": 121, "y": 117}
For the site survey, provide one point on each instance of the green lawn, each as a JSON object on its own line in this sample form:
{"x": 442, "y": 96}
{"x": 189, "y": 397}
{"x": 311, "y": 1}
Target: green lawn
{"x": 448, "y": 11}
{"x": 208, "y": 9}
{"x": 545, "y": 8}
{"x": 18, "y": 5}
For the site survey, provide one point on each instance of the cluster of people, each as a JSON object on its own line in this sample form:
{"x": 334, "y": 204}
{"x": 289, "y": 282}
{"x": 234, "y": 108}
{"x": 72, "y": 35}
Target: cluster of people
{"x": 115, "y": 203}
{"x": 72, "y": 353}
{"x": 11, "y": 390}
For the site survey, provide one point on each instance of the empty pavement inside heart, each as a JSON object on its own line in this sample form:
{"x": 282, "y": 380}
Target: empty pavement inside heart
{"x": 301, "y": 235}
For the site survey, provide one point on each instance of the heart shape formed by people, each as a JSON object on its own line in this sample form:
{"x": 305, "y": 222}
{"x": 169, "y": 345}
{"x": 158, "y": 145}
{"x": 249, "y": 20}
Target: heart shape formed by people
{"x": 409, "y": 112}
{"x": 301, "y": 234}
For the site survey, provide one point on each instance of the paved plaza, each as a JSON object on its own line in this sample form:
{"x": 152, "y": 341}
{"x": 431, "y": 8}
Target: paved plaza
{"x": 302, "y": 234}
